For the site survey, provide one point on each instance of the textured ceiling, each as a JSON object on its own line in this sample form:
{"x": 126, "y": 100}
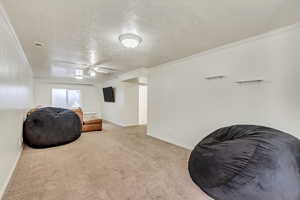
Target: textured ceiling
{"x": 87, "y": 31}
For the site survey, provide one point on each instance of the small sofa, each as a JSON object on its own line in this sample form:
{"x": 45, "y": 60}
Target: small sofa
{"x": 88, "y": 125}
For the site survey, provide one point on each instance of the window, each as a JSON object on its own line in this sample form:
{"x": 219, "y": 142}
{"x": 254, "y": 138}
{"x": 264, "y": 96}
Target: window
{"x": 65, "y": 98}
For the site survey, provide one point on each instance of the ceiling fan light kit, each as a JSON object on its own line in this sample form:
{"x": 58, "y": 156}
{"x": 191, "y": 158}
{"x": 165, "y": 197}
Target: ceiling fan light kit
{"x": 78, "y": 72}
{"x": 92, "y": 73}
{"x": 78, "y": 77}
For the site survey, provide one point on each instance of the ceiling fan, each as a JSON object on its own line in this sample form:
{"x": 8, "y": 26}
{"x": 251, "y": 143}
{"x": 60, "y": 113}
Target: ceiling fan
{"x": 91, "y": 70}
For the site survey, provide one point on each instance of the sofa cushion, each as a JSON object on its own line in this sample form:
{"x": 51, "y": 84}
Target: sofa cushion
{"x": 92, "y": 127}
{"x": 79, "y": 112}
{"x": 93, "y": 121}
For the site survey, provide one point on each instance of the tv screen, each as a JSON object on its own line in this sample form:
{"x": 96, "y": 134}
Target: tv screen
{"x": 108, "y": 94}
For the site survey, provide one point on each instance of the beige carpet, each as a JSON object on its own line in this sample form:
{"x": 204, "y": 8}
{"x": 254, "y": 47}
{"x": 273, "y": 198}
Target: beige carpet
{"x": 116, "y": 164}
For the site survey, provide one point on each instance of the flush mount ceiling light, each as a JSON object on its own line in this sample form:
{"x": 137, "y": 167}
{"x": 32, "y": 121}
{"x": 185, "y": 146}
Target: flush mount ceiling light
{"x": 130, "y": 40}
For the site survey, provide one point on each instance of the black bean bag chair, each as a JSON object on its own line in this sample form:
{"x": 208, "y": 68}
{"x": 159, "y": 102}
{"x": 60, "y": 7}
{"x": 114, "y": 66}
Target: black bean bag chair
{"x": 49, "y": 127}
{"x": 246, "y": 162}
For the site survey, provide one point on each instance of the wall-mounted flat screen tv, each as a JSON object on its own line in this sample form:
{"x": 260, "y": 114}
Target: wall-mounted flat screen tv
{"x": 108, "y": 94}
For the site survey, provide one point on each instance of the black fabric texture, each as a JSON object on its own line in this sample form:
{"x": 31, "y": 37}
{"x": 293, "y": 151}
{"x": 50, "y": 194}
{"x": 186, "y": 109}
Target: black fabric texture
{"x": 247, "y": 162}
{"x": 49, "y": 127}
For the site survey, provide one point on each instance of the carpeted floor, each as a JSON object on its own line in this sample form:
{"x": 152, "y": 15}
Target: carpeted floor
{"x": 116, "y": 164}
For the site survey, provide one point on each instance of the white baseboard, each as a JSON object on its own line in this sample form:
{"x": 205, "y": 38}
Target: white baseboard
{"x": 171, "y": 142}
{"x": 2, "y": 190}
{"x": 115, "y": 123}
{"x": 127, "y": 125}
{"x": 121, "y": 124}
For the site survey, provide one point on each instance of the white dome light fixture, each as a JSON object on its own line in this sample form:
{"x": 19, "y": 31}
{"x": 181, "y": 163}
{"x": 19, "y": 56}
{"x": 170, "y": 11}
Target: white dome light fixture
{"x": 130, "y": 40}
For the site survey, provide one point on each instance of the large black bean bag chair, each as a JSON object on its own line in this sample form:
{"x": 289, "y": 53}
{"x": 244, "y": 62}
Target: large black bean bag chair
{"x": 49, "y": 127}
{"x": 246, "y": 162}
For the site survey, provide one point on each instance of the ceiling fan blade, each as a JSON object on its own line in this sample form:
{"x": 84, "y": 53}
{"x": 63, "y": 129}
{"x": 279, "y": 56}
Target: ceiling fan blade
{"x": 78, "y": 65}
{"x": 105, "y": 68}
{"x": 98, "y": 67}
{"x": 100, "y": 62}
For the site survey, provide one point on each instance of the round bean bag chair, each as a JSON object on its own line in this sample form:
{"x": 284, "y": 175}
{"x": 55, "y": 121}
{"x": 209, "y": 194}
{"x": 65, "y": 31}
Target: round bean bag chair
{"x": 49, "y": 127}
{"x": 246, "y": 162}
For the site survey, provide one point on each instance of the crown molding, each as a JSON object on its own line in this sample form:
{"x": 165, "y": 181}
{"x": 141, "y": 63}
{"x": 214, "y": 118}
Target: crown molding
{"x": 269, "y": 34}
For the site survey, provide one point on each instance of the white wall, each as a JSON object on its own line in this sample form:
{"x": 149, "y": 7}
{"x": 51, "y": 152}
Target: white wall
{"x": 15, "y": 97}
{"x": 90, "y": 95}
{"x": 184, "y": 107}
{"x": 124, "y": 111}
